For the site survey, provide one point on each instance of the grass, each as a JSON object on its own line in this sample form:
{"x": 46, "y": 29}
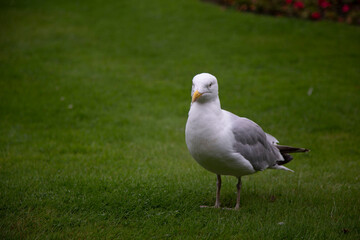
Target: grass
{"x": 93, "y": 103}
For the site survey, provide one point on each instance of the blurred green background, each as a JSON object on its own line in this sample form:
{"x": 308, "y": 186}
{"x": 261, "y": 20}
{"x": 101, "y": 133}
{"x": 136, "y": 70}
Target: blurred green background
{"x": 94, "y": 98}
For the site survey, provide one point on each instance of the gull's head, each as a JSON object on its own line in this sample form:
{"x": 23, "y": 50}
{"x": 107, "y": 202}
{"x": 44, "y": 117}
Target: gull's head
{"x": 204, "y": 88}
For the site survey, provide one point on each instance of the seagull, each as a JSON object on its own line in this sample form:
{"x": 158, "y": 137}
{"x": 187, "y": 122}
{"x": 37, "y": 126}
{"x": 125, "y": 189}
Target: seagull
{"x": 226, "y": 144}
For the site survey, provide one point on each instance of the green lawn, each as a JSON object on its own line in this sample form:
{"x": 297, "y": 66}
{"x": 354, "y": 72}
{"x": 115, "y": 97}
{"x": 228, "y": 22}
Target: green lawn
{"x": 93, "y": 104}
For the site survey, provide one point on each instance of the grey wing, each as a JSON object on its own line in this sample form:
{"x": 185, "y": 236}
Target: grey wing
{"x": 252, "y": 143}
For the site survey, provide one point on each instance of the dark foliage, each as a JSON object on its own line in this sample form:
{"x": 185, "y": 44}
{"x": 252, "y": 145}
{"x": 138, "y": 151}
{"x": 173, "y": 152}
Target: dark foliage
{"x": 337, "y": 10}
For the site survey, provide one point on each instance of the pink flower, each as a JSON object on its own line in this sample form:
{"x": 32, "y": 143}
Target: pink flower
{"x": 345, "y": 8}
{"x": 299, "y": 5}
{"x": 315, "y": 15}
{"x": 288, "y": 2}
{"x": 324, "y": 4}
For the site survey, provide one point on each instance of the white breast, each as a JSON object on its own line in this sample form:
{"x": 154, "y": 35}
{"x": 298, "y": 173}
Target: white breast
{"x": 210, "y": 142}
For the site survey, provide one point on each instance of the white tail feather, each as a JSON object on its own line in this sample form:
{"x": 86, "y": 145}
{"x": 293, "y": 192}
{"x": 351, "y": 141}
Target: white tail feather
{"x": 281, "y": 168}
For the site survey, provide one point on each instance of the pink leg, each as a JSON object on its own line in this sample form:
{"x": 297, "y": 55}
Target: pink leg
{"x": 238, "y": 187}
{"x": 218, "y": 184}
{"x": 217, "y": 202}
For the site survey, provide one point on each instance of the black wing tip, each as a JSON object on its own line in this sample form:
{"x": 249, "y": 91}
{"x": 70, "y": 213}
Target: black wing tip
{"x": 287, "y": 158}
{"x": 288, "y": 149}
{"x": 301, "y": 150}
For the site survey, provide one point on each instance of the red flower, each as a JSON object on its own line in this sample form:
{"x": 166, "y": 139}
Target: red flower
{"x": 299, "y": 4}
{"x": 315, "y": 15}
{"x": 288, "y": 2}
{"x": 345, "y": 8}
{"x": 324, "y": 4}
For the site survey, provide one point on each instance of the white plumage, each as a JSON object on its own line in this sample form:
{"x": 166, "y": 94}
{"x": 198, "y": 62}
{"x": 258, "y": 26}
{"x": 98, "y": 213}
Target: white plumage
{"x": 226, "y": 144}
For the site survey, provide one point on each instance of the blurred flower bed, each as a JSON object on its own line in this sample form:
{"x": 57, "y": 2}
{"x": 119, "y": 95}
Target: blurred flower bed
{"x": 337, "y": 10}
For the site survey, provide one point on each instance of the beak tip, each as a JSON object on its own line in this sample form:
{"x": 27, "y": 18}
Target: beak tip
{"x": 195, "y": 96}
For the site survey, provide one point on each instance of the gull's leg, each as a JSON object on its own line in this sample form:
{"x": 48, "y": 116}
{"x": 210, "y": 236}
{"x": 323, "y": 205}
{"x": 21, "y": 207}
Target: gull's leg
{"x": 218, "y": 184}
{"x": 217, "y": 202}
{"x": 238, "y": 187}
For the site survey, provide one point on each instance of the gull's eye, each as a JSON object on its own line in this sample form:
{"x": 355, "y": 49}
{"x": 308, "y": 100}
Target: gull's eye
{"x": 210, "y": 84}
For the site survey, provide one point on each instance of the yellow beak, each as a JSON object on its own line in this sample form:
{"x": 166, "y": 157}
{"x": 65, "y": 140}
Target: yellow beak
{"x": 196, "y": 96}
